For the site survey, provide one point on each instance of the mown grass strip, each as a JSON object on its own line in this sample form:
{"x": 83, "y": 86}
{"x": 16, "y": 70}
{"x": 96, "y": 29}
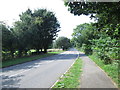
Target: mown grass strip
{"x": 26, "y": 59}
{"x": 72, "y": 78}
{"x": 110, "y": 69}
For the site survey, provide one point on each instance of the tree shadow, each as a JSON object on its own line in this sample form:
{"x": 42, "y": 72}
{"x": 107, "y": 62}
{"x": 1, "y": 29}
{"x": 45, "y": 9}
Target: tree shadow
{"x": 38, "y": 62}
{"x": 82, "y": 55}
{"x": 11, "y": 81}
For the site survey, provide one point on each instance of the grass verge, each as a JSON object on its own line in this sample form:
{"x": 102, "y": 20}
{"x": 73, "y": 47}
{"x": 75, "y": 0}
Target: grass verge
{"x": 26, "y": 59}
{"x": 110, "y": 69}
{"x": 72, "y": 78}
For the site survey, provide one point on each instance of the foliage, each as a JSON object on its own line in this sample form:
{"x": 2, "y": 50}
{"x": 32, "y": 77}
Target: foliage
{"x": 62, "y": 42}
{"x": 82, "y": 35}
{"x": 35, "y": 30}
{"x": 46, "y": 30}
{"x": 106, "y": 15}
{"x": 91, "y": 40}
{"x": 8, "y": 41}
{"x": 106, "y": 36}
{"x": 106, "y": 48}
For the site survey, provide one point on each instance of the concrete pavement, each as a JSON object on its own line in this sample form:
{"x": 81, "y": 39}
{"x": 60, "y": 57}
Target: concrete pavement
{"x": 93, "y": 76}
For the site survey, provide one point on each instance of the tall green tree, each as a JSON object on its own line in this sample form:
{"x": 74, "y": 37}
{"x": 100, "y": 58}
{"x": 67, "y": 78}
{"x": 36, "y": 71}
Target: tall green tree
{"x": 107, "y": 24}
{"x": 47, "y": 29}
{"x": 82, "y": 35}
{"x": 62, "y": 42}
{"x": 36, "y": 30}
{"x": 22, "y": 30}
{"x": 106, "y": 14}
{"x": 8, "y": 39}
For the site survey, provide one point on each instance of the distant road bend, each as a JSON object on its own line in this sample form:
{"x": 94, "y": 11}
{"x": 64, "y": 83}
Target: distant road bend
{"x": 41, "y": 73}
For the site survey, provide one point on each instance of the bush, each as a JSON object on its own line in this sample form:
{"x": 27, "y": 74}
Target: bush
{"x": 87, "y": 49}
{"x": 106, "y": 48}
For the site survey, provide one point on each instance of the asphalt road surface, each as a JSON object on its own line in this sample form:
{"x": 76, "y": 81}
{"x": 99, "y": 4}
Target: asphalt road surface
{"x": 41, "y": 73}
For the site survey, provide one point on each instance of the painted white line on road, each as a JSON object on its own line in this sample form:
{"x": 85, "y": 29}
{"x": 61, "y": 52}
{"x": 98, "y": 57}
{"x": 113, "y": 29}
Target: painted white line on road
{"x": 65, "y": 71}
{"x": 19, "y": 73}
{"x": 26, "y": 70}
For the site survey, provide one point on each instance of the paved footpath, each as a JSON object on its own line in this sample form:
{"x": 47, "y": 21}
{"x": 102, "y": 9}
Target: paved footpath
{"x": 93, "y": 76}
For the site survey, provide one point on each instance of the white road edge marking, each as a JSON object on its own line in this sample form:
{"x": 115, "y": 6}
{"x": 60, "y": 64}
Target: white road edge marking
{"x": 65, "y": 71}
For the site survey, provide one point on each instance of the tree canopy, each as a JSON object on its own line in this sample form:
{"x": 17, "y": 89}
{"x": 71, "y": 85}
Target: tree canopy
{"x": 101, "y": 37}
{"x": 62, "y": 42}
{"x": 107, "y": 15}
{"x": 35, "y": 30}
{"x": 42, "y": 25}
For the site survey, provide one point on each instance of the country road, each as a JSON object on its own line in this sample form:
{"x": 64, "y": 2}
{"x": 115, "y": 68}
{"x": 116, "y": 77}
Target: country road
{"x": 41, "y": 73}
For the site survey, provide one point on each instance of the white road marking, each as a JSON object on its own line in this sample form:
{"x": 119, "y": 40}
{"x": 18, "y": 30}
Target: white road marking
{"x": 27, "y": 69}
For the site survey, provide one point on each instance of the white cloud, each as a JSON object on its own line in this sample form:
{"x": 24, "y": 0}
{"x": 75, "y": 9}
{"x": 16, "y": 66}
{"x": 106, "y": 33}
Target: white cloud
{"x": 10, "y": 10}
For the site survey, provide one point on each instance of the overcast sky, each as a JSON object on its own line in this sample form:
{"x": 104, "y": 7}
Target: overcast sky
{"x": 10, "y": 10}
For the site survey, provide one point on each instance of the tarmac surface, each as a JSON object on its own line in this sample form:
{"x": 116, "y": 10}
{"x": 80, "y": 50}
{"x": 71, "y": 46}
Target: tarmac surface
{"x": 41, "y": 73}
{"x": 93, "y": 76}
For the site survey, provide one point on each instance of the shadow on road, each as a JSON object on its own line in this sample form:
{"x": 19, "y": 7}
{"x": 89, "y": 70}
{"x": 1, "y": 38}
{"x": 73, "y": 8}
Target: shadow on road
{"x": 82, "y": 55}
{"x": 35, "y": 63}
{"x": 14, "y": 81}
{"x": 10, "y": 82}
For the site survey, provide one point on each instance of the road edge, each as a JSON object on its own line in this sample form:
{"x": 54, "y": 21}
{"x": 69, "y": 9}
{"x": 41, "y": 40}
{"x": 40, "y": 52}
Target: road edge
{"x": 65, "y": 71}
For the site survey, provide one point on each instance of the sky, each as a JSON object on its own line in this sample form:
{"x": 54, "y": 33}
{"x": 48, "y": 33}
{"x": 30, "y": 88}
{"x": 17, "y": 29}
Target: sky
{"x": 10, "y": 10}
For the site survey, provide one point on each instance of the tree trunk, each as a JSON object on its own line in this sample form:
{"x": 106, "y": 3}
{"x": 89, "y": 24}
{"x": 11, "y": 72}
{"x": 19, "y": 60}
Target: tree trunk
{"x": 12, "y": 53}
{"x": 45, "y": 50}
{"x": 41, "y": 49}
{"x": 37, "y": 50}
{"x": 20, "y": 53}
{"x": 26, "y": 52}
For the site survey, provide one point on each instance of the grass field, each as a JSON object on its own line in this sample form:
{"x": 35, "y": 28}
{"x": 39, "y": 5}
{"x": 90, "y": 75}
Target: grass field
{"x": 110, "y": 69}
{"x": 72, "y": 78}
{"x": 26, "y": 59}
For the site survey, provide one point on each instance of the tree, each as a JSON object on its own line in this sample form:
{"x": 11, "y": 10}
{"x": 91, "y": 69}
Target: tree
{"x": 22, "y": 30}
{"x": 47, "y": 29}
{"x": 82, "y": 35}
{"x": 107, "y": 24}
{"x": 36, "y": 30}
{"x": 8, "y": 39}
{"x": 106, "y": 14}
{"x": 62, "y": 42}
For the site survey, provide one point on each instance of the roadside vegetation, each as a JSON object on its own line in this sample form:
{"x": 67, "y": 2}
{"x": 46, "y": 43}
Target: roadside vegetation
{"x": 72, "y": 78}
{"x": 100, "y": 39}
